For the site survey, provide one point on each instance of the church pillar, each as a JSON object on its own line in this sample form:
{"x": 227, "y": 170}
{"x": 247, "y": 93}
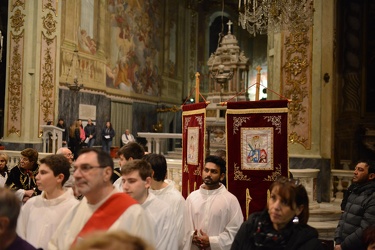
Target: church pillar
{"x": 32, "y": 73}
{"x": 298, "y": 58}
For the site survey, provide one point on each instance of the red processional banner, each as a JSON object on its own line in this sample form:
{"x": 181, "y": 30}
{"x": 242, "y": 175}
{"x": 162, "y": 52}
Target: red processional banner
{"x": 257, "y": 150}
{"x": 193, "y": 146}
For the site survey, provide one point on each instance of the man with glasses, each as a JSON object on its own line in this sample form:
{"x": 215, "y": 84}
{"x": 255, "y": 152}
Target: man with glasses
{"x": 103, "y": 207}
{"x": 22, "y": 177}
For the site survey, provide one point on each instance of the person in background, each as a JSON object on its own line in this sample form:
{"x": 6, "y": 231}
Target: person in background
{"x": 102, "y": 207}
{"x": 214, "y": 214}
{"x": 223, "y": 155}
{"x": 4, "y": 171}
{"x": 368, "y": 238}
{"x": 22, "y": 177}
{"x": 9, "y": 210}
{"x": 90, "y": 133}
{"x": 129, "y": 152}
{"x": 41, "y": 215}
{"x": 283, "y": 224}
{"x": 82, "y": 134}
{"x": 136, "y": 181}
{"x": 70, "y": 157}
{"x": 107, "y": 136}
{"x": 127, "y": 137}
{"x": 65, "y": 135}
{"x": 165, "y": 190}
{"x": 358, "y": 207}
{"x": 75, "y": 139}
{"x": 111, "y": 241}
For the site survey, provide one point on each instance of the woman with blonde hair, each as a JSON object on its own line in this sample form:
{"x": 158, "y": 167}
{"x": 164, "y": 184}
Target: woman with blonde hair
{"x": 4, "y": 171}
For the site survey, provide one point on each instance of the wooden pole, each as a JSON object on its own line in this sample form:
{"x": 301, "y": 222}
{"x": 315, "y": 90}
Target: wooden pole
{"x": 197, "y": 87}
{"x": 257, "y": 87}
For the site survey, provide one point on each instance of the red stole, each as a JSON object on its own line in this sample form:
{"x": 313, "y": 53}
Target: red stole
{"x": 103, "y": 218}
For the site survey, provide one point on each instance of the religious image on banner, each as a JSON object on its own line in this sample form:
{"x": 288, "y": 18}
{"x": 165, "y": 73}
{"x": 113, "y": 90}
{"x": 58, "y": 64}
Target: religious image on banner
{"x": 193, "y": 146}
{"x": 192, "y": 142}
{"x": 257, "y": 148}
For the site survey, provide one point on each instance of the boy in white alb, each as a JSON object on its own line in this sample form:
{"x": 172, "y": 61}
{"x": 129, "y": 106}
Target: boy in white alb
{"x": 41, "y": 214}
{"x": 166, "y": 191}
{"x": 136, "y": 177}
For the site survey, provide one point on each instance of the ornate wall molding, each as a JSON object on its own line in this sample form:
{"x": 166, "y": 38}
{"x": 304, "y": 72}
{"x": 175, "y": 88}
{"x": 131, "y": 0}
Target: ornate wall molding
{"x": 16, "y": 58}
{"x": 296, "y": 82}
{"x": 47, "y": 79}
{"x": 48, "y": 66}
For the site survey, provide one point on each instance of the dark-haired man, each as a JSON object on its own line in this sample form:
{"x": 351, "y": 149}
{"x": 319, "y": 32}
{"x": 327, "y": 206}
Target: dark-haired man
{"x": 103, "y": 207}
{"x": 129, "y": 152}
{"x": 165, "y": 190}
{"x": 214, "y": 214}
{"x": 358, "y": 208}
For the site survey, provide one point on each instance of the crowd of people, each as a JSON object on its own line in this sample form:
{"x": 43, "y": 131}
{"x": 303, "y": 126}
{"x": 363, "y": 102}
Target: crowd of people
{"x": 77, "y": 136}
{"x": 61, "y": 202}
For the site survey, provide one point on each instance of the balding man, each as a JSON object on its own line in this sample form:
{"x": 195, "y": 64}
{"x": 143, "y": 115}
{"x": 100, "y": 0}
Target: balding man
{"x": 67, "y": 153}
{"x": 70, "y": 156}
{"x": 127, "y": 137}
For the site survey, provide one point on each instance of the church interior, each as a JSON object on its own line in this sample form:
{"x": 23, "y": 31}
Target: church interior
{"x": 135, "y": 62}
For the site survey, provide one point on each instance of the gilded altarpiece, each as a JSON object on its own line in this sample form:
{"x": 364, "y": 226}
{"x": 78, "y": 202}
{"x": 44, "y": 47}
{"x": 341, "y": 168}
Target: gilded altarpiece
{"x": 16, "y": 58}
{"x": 296, "y": 82}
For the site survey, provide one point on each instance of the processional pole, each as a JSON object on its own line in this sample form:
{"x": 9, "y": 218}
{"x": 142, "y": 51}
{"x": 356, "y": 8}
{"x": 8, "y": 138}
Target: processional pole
{"x": 197, "y": 87}
{"x": 257, "y": 87}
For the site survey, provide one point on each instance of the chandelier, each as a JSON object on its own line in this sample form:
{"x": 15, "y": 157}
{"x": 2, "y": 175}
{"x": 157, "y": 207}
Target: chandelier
{"x": 261, "y": 16}
{"x": 75, "y": 86}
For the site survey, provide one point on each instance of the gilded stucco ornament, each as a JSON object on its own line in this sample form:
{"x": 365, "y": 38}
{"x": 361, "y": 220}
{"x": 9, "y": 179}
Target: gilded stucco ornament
{"x": 47, "y": 86}
{"x": 17, "y": 20}
{"x": 50, "y": 5}
{"x": 297, "y": 78}
{"x": 49, "y": 24}
{"x": 18, "y": 3}
{"x": 15, "y": 81}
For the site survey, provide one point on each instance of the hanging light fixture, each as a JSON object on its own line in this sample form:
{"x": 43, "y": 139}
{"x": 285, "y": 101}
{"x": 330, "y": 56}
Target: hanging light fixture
{"x": 262, "y": 16}
{"x": 75, "y": 86}
{"x": 254, "y": 17}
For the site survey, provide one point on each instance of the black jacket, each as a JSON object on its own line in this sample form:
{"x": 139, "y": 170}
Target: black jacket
{"x": 258, "y": 233}
{"x": 359, "y": 213}
{"x": 90, "y": 130}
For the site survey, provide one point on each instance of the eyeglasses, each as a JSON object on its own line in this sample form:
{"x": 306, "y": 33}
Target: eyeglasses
{"x": 69, "y": 154}
{"x": 25, "y": 159}
{"x": 85, "y": 168}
